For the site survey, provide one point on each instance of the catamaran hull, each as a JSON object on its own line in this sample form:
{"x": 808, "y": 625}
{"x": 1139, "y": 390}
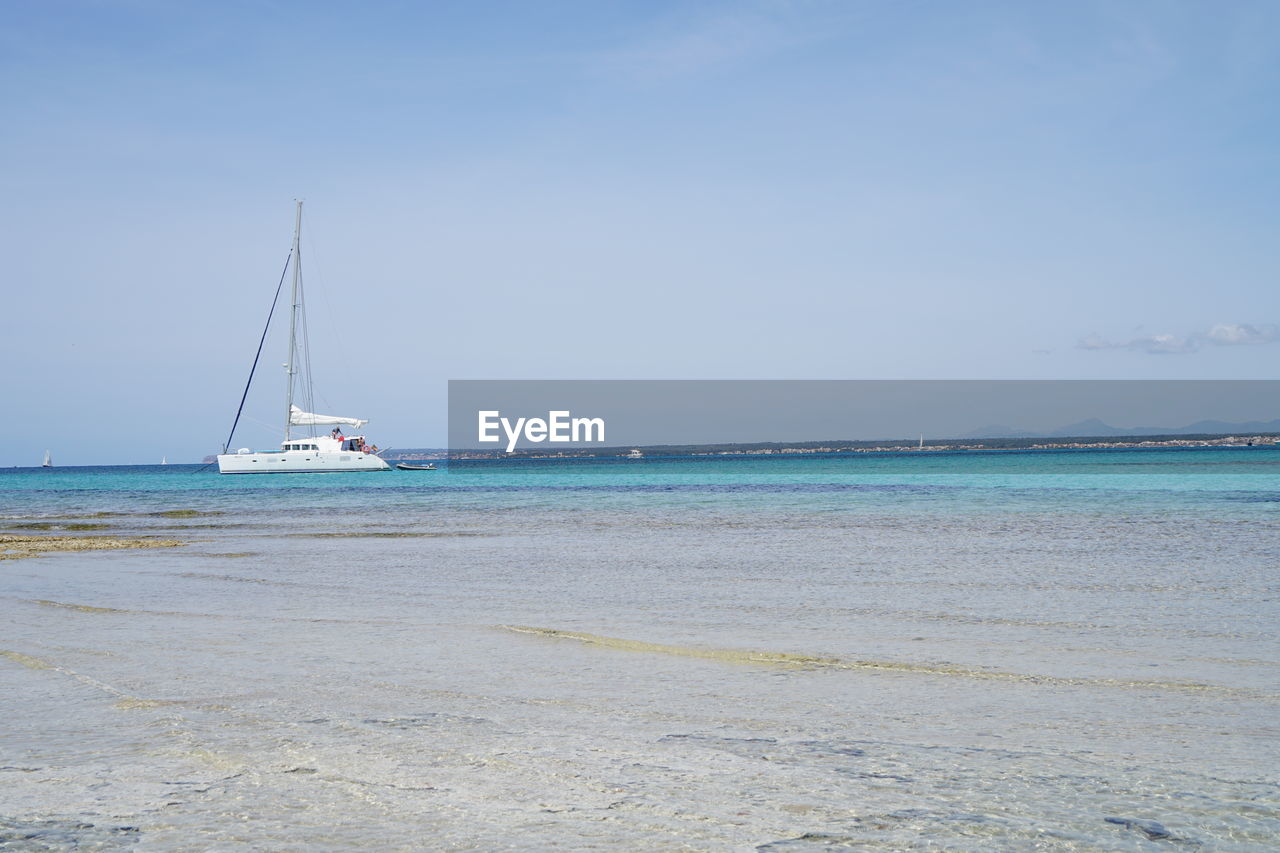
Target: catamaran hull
{"x": 298, "y": 462}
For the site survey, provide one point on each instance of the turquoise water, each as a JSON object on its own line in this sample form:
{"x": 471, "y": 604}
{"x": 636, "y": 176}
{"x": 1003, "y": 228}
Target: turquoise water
{"x": 1245, "y": 473}
{"x": 1070, "y": 651}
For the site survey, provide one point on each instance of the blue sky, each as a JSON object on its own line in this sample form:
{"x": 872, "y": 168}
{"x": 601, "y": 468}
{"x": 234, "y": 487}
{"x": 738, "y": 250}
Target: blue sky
{"x": 620, "y": 190}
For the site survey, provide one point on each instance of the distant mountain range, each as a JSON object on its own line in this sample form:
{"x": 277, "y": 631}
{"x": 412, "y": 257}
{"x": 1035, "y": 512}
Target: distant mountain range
{"x": 1094, "y": 428}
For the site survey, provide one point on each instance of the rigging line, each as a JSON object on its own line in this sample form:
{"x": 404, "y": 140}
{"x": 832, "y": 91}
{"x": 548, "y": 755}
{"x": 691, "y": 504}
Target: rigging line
{"x": 314, "y": 243}
{"x": 270, "y": 427}
{"x": 343, "y": 364}
{"x": 302, "y": 351}
{"x": 306, "y": 356}
{"x": 258, "y": 355}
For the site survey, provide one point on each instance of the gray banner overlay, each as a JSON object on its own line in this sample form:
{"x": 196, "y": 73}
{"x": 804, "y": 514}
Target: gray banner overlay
{"x": 607, "y": 417}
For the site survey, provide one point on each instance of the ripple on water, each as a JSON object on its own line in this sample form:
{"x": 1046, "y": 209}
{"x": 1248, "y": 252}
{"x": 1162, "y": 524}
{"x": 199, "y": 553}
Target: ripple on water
{"x": 429, "y": 719}
{"x": 45, "y": 835}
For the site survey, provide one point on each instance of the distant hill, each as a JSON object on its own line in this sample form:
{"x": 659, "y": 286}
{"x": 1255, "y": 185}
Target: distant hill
{"x": 1000, "y": 431}
{"x": 1095, "y": 428}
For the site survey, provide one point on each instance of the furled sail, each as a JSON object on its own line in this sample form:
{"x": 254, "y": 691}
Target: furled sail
{"x": 297, "y": 417}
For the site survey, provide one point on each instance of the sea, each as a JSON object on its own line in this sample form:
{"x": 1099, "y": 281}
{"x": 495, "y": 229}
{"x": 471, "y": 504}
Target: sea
{"x": 1065, "y": 650}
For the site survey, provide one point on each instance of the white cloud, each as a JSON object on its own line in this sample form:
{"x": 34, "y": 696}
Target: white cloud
{"x": 1154, "y": 344}
{"x": 1094, "y": 341}
{"x": 1223, "y": 334}
{"x": 1229, "y": 334}
{"x": 694, "y": 44}
{"x": 1159, "y": 344}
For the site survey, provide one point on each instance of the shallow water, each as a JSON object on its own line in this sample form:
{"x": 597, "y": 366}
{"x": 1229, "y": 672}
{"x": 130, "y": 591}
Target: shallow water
{"x": 1070, "y": 652}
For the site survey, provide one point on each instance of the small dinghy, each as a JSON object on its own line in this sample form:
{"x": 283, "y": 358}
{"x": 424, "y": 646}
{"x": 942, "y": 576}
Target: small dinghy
{"x": 405, "y": 466}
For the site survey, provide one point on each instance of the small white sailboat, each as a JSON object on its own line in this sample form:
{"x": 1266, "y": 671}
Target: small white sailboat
{"x": 48, "y": 460}
{"x": 164, "y": 460}
{"x": 334, "y": 452}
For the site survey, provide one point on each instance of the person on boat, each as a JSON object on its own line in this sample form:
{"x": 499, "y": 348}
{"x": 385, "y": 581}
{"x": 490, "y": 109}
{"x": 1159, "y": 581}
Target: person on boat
{"x": 337, "y": 433}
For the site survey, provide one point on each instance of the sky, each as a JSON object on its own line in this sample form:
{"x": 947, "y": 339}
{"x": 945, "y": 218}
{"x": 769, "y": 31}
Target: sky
{"x": 600, "y": 190}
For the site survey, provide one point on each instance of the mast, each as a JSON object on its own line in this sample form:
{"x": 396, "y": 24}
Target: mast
{"x": 290, "y": 368}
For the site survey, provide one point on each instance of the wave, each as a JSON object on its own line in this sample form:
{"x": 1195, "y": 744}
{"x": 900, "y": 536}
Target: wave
{"x": 804, "y": 661}
{"x": 374, "y": 534}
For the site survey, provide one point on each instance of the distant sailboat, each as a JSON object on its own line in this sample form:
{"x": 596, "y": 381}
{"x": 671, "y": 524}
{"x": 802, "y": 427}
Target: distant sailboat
{"x": 48, "y": 460}
{"x": 164, "y": 460}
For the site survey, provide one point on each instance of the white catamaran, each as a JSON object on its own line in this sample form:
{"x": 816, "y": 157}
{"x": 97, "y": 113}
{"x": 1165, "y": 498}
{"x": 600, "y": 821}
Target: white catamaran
{"x": 332, "y": 452}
